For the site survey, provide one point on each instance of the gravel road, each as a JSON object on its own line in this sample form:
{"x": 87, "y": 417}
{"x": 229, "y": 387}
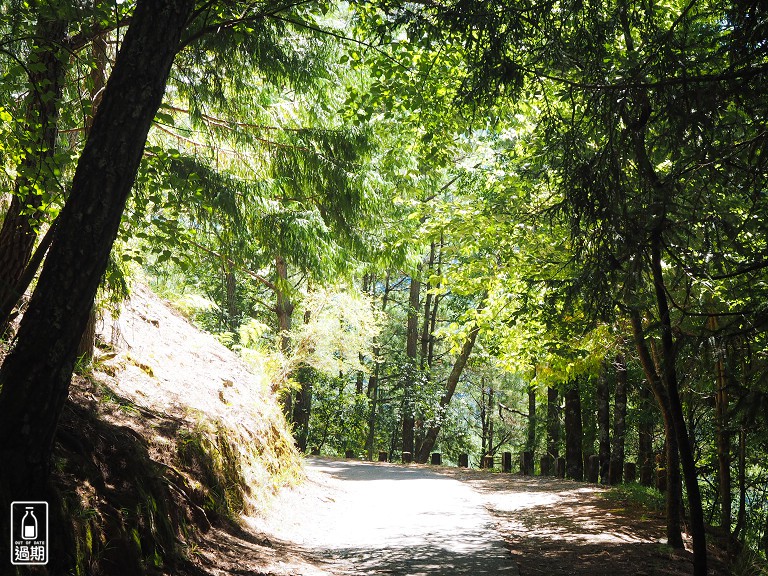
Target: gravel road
{"x": 392, "y": 520}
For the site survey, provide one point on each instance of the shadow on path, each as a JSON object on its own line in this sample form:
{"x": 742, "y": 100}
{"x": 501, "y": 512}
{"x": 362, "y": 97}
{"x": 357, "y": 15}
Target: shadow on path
{"x": 404, "y": 521}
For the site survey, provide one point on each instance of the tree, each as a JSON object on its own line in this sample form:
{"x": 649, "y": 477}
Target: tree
{"x": 574, "y": 456}
{"x": 34, "y": 391}
{"x": 616, "y": 457}
{"x": 37, "y": 171}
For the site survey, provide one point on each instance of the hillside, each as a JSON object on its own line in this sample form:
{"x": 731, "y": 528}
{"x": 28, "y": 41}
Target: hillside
{"x": 166, "y": 441}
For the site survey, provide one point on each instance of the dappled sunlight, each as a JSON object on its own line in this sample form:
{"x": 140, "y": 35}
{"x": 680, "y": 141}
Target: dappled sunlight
{"x": 396, "y": 520}
{"x": 419, "y": 520}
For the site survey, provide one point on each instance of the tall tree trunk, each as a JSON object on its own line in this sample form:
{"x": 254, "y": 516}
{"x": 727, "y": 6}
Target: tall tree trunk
{"x": 530, "y": 442}
{"x": 616, "y": 472}
{"x": 450, "y": 388}
{"x": 20, "y": 225}
{"x": 574, "y": 459}
{"x": 553, "y": 423}
{"x": 425, "y": 359}
{"x": 722, "y": 432}
{"x": 373, "y": 380}
{"x": 36, "y": 374}
{"x": 373, "y": 394}
{"x": 98, "y": 77}
{"x": 673, "y": 494}
{"x": 302, "y": 406}
{"x": 742, "y": 513}
{"x": 645, "y": 454}
{"x": 669, "y": 378}
{"x": 489, "y": 415}
{"x": 603, "y": 425}
{"x": 664, "y": 385}
{"x": 483, "y": 423}
{"x": 411, "y": 376}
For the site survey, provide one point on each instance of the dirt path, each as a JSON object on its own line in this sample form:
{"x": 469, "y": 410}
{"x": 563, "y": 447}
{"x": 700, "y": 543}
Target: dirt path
{"x": 393, "y": 520}
{"x": 362, "y": 518}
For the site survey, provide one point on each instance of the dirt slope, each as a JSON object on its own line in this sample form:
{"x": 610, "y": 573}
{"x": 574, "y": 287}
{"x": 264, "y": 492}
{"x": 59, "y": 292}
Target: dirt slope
{"x": 165, "y": 441}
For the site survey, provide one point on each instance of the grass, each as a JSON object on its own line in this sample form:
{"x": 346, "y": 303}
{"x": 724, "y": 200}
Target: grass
{"x": 750, "y": 563}
{"x": 636, "y": 496}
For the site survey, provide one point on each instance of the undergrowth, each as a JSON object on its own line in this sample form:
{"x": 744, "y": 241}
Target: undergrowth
{"x": 635, "y": 496}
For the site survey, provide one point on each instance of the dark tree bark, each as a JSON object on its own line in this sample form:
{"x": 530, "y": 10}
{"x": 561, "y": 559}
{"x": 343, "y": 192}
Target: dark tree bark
{"x": 616, "y": 471}
{"x": 7, "y": 306}
{"x": 645, "y": 437}
{"x": 486, "y": 422}
{"x": 36, "y": 374}
{"x": 19, "y": 229}
{"x": 603, "y": 425}
{"x": 530, "y": 442}
{"x": 553, "y": 423}
{"x": 669, "y": 378}
{"x": 411, "y": 376}
{"x": 574, "y": 459}
{"x": 673, "y": 494}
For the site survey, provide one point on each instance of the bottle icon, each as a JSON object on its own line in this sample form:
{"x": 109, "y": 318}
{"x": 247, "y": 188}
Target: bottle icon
{"x": 29, "y": 525}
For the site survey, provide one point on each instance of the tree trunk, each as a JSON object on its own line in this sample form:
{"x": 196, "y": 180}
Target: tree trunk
{"x": 491, "y": 400}
{"x": 411, "y": 376}
{"x": 530, "y": 442}
{"x": 645, "y": 455}
{"x": 742, "y": 513}
{"x": 36, "y": 374}
{"x": 603, "y": 425}
{"x": 19, "y": 230}
{"x": 616, "y": 471}
{"x": 425, "y": 359}
{"x": 284, "y": 311}
{"x": 574, "y": 460}
{"x": 435, "y": 307}
{"x": 373, "y": 394}
{"x": 450, "y": 387}
{"x": 553, "y": 423}
{"x": 483, "y": 423}
{"x": 7, "y": 306}
{"x": 674, "y": 491}
{"x": 669, "y": 377}
{"x": 373, "y": 380}
{"x": 230, "y": 284}
{"x": 98, "y": 77}
{"x": 722, "y": 432}
{"x": 302, "y": 406}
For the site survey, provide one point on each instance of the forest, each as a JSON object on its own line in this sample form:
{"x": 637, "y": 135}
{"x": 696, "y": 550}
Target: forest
{"x": 465, "y": 227}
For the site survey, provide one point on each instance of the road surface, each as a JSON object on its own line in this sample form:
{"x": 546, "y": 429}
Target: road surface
{"x": 395, "y": 521}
